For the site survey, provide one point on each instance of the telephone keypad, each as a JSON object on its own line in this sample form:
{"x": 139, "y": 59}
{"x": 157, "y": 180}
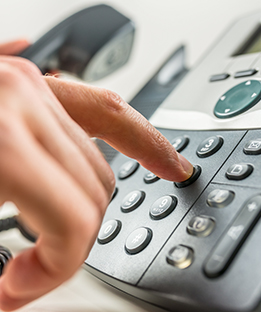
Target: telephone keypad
{"x": 152, "y": 252}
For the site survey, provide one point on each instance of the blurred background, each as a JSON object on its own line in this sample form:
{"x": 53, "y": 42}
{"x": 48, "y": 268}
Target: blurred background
{"x": 161, "y": 27}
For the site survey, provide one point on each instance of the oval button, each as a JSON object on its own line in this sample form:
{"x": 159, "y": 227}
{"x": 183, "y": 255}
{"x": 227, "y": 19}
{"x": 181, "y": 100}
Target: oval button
{"x": 163, "y": 207}
{"x": 132, "y": 201}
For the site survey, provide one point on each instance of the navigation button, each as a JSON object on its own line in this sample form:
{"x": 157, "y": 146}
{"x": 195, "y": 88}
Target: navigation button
{"x": 253, "y": 147}
{"x": 227, "y": 247}
{"x": 220, "y": 198}
{"x": 239, "y": 171}
{"x": 209, "y": 146}
{"x": 180, "y": 256}
{"x": 219, "y": 77}
{"x": 245, "y": 73}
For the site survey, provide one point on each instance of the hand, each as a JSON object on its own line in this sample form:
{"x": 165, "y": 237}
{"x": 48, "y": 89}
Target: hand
{"x": 56, "y": 176}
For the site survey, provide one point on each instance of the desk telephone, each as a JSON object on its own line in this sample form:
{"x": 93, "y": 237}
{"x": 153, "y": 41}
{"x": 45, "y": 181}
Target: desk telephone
{"x": 191, "y": 246}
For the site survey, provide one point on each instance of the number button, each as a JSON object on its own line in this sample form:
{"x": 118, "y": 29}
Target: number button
{"x": 150, "y": 178}
{"x": 127, "y": 169}
{"x": 132, "y": 201}
{"x": 163, "y": 207}
{"x": 180, "y": 143}
{"x": 109, "y": 231}
{"x": 209, "y": 146}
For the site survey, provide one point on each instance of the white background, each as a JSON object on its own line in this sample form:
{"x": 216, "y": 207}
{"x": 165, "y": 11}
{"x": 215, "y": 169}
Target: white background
{"x": 162, "y": 26}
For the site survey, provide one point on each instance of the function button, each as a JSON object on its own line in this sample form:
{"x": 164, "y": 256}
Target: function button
{"x": 163, "y": 207}
{"x": 209, "y": 146}
{"x": 109, "y": 231}
{"x": 132, "y": 201}
{"x": 239, "y": 171}
{"x": 253, "y": 147}
{"x": 220, "y": 198}
{"x": 127, "y": 169}
{"x": 245, "y": 73}
{"x": 201, "y": 226}
{"x": 195, "y": 175}
{"x": 150, "y": 178}
{"x": 219, "y": 77}
{"x": 180, "y": 256}
{"x": 238, "y": 99}
{"x": 138, "y": 240}
{"x": 180, "y": 143}
{"x": 234, "y": 237}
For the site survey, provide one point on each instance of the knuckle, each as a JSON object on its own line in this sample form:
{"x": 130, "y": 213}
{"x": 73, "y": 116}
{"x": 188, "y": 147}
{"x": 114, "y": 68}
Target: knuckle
{"x": 113, "y": 101}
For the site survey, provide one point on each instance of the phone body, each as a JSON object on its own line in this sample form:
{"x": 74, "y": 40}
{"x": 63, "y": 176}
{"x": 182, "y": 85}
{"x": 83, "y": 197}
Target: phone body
{"x": 195, "y": 247}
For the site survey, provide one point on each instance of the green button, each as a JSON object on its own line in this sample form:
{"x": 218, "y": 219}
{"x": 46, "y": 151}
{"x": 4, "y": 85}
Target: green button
{"x": 238, "y": 99}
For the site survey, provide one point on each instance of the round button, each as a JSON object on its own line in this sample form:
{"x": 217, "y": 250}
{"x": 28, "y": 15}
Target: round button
{"x": 238, "y": 99}
{"x": 239, "y": 171}
{"x": 180, "y": 256}
{"x": 127, "y": 169}
{"x": 150, "y": 178}
{"x": 138, "y": 240}
{"x": 253, "y": 147}
{"x": 132, "y": 201}
{"x": 195, "y": 175}
{"x": 209, "y": 146}
{"x": 180, "y": 143}
{"x": 109, "y": 231}
{"x": 163, "y": 207}
{"x": 220, "y": 198}
{"x": 200, "y": 226}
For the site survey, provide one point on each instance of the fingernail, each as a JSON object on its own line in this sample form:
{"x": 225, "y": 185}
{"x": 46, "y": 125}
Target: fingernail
{"x": 187, "y": 166}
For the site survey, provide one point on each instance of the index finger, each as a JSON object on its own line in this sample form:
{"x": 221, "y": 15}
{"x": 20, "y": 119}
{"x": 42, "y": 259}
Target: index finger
{"x": 103, "y": 114}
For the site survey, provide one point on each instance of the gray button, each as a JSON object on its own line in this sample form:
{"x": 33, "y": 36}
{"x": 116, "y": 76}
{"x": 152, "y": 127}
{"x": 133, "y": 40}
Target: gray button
{"x": 253, "y": 147}
{"x": 132, "y": 201}
{"x": 220, "y": 198}
{"x": 180, "y": 256}
{"x": 138, "y": 240}
{"x": 163, "y": 207}
{"x": 201, "y": 226}
{"x": 209, "y": 146}
{"x": 239, "y": 171}
{"x": 150, "y": 178}
{"x": 180, "y": 143}
{"x": 127, "y": 169}
{"x": 109, "y": 231}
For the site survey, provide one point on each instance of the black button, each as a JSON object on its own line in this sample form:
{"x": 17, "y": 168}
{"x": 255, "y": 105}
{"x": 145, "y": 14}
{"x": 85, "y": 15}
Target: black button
{"x": 132, "y": 201}
{"x": 253, "y": 147}
{"x": 180, "y": 143}
{"x": 180, "y": 256}
{"x": 220, "y": 198}
{"x": 138, "y": 240}
{"x": 109, "y": 231}
{"x": 219, "y": 77}
{"x": 127, "y": 169}
{"x": 114, "y": 193}
{"x": 245, "y": 73}
{"x": 195, "y": 175}
{"x": 150, "y": 178}
{"x": 163, "y": 207}
{"x": 209, "y": 146}
{"x": 239, "y": 171}
{"x": 234, "y": 237}
{"x": 200, "y": 226}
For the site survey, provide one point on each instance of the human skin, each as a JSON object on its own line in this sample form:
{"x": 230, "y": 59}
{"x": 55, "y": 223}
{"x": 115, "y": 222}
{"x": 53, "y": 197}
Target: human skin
{"x": 51, "y": 169}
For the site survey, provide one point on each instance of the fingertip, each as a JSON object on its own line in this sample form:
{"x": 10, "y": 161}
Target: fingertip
{"x": 186, "y": 165}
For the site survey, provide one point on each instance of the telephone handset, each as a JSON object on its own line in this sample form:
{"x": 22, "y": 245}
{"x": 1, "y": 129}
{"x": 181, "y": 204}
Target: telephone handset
{"x": 195, "y": 246}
